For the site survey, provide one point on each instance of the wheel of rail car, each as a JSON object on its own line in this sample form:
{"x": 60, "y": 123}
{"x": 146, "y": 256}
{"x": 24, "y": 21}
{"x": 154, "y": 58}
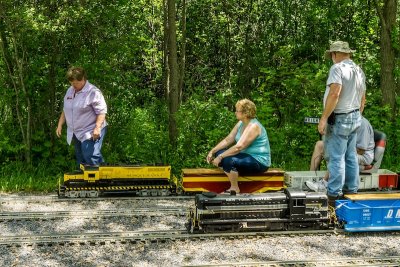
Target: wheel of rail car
{"x": 164, "y": 192}
{"x": 179, "y": 191}
{"x": 92, "y": 193}
{"x": 340, "y": 224}
{"x": 190, "y": 225}
{"x": 143, "y": 193}
{"x": 153, "y": 192}
{"x": 72, "y": 194}
{"x": 208, "y": 229}
{"x": 236, "y": 228}
{"x": 286, "y": 227}
{"x": 220, "y": 228}
{"x": 82, "y": 194}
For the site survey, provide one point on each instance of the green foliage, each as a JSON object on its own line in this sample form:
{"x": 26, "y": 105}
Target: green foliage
{"x": 202, "y": 125}
{"x": 268, "y": 51}
{"x": 287, "y": 94}
{"x": 143, "y": 140}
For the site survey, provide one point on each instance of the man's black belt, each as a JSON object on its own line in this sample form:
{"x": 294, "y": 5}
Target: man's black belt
{"x": 355, "y": 110}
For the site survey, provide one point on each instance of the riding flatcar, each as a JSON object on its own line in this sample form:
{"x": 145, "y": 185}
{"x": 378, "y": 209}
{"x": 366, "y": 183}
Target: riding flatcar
{"x": 381, "y": 179}
{"x": 215, "y": 180}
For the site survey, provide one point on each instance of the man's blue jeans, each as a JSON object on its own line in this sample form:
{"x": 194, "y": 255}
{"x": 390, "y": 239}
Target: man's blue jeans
{"x": 89, "y": 151}
{"x": 340, "y": 148}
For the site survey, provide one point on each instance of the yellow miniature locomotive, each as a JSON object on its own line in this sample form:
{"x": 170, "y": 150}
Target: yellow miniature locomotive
{"x": 142, "y": 180}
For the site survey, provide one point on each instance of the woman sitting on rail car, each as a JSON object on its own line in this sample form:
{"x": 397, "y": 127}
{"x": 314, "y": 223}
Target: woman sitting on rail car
{"x": 250, "y": 152}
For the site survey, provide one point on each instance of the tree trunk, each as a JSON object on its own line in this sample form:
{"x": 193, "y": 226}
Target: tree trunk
{"x": 173, "y": 96}
{"x": 387, "y": 15}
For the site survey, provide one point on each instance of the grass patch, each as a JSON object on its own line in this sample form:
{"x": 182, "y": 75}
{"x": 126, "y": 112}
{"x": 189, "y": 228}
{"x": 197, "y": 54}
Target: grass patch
{"x": 17, "y": 176}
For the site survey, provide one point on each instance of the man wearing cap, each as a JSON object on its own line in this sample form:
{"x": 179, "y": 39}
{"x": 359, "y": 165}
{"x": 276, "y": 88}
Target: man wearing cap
{"x": 343, "y": 100}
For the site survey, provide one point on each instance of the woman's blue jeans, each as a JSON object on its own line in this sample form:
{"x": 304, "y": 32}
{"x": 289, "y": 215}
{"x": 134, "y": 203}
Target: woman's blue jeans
{"x": 242, "y": 163}
{"x": 88, "y": 152}
{"x": 340, "y": 148}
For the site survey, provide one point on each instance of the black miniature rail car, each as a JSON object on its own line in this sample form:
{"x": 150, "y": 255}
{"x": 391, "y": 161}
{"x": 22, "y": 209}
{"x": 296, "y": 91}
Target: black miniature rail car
{"x": 290, "y": 210}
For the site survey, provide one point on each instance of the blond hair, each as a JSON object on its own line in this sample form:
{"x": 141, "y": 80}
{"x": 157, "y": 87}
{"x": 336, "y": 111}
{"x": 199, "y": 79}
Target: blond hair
{"x": 247, "y": 107}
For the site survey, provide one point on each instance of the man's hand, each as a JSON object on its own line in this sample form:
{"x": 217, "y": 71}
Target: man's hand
{"x": 322, "y": 126}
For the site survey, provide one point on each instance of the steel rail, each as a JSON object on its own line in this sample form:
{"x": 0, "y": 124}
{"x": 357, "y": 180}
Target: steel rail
{"x": 48, "y": 215}
{"x": 361, "y": 261}
{"x": 55, "y": 198}
{"x": 142, "y": 236}
{"x": 116, "y": 196}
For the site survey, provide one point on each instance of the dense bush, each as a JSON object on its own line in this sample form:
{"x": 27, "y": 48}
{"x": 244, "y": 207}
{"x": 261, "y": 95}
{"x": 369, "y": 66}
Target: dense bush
{"x": 268, "y": 51}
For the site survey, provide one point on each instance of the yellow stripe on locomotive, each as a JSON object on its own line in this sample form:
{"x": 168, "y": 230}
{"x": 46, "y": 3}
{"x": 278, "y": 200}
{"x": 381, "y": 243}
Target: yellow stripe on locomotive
{"x": 73, "y": 176}
{"x": 93, "y": 174}
{"x": 133, "y": 172}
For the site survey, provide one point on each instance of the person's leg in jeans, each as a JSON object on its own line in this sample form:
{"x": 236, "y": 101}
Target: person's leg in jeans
{"x": 351, "y": 182}
{"x": 341, "y": 148}
{"x": 336, "y": 147}
{"x": 242, "y": 163}
{"x": 78, "y": 151}
{"x": 92, "y": 150}
{"x": 230, "y": 171}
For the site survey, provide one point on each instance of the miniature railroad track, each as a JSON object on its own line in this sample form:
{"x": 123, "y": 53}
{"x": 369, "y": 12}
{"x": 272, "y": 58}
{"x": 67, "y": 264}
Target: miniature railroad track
{"x": 55, "y": 198}
{"x": 50, "y": 215}
{"x": 367, "y": 261}
{"x": 140, "y": 237}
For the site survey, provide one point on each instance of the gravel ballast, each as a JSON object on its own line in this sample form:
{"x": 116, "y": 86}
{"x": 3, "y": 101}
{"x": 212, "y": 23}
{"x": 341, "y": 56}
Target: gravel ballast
{"x": 170, "y": 253}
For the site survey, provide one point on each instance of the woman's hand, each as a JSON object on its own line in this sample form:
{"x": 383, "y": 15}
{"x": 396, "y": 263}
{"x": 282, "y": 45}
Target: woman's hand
{"x": 58, "y": 131}
{"x": 96, "y": 133}
{"x": 61, "y": 121}
{"x": 209, "y": 157}
{"x": 217, "y": 161}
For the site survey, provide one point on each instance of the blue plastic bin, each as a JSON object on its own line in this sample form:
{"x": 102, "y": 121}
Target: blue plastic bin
{"x": 369, "y": 215}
